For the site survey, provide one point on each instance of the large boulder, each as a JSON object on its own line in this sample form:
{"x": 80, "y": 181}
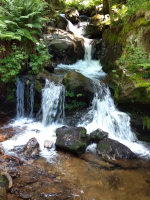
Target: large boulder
{"x": 73, "y": 139}
{"x": 79, "y": 90}
{"x": 72, "y": 15}
{"x": 31, "y": 149}
{"x": 64, "y": 47}
{"x": 112, "y": 150}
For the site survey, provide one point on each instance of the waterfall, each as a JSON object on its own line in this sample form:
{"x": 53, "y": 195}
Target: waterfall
{"x": 31, "y": 99}
{"x": 108, "y": 118}
{"x": 22, "y": 101}
{"x": 20, "y": 98}
{"x": 52, "y": 103}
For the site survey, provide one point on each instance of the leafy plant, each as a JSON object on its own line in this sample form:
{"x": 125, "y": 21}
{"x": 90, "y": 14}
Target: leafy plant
{"x": 69, "y": 94}
{"x": 146, "y": 122}
{"x": 116, "y": 75}
{"x": 134, "y": 58}
{"x": 21, "y": 19}
{"x": 75, "y": 105}
{"x": 11, "y": 65}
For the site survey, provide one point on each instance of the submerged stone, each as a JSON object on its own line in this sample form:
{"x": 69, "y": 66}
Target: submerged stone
{"x": 73, "y": 139}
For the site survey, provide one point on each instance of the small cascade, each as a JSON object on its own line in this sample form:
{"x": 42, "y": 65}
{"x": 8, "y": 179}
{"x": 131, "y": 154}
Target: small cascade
{"x": 108, "y": 118}
{"x": 52, "y": 103}
{"x": 20, "y": 98}
{"x": 25, "y": 98}
{"x": 31, "y": 99}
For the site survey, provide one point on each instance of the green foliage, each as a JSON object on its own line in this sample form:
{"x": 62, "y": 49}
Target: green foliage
{"x": 116, "y": 92}
{"x": 36, "y": 62}
{"x": 21, "y": 19}
{"x": 69, "y": 94}
{"x": 135, "y": 5}
{"x": 135, "y": 58}
{"x": 11, "y": 65}
{"x": 81, "y": 4}
{"x": 146, "y": 122}
{"x": 116, "y": 75}
{"x": 75, "y": 105}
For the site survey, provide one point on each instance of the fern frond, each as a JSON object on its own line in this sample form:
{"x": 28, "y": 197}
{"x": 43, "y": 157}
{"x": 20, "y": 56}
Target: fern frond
{"x": 10, "y": 22}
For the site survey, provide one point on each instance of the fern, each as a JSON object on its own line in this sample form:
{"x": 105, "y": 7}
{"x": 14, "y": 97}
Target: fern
{"x": 20, "y": 19}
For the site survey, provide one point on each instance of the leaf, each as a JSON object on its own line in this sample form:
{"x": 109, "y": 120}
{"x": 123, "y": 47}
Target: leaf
{"x": 10, "y": 22}
{"x": 35, "y": 32}
{"x": 36, "y": 25}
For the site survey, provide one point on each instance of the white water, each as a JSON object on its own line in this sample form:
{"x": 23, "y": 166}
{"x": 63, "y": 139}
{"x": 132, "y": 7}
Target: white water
{"x": 52, "y": 103}
{"x": 20, "y": 98}
{"x": 105, "y": 114}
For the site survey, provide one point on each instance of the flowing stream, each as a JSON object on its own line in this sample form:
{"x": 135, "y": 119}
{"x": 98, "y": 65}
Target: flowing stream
{"x": 103, "y": 111}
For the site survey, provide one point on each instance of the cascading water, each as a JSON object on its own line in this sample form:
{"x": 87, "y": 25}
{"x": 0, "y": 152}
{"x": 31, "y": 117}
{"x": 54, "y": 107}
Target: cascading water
{"x": 20, "y": 98}
{"x": 52, "y": 103}
{"x": 105, "y": 114}
{"x": 20, "y": 94}
{"x": 31, "y": 99}
{"x": 103, "y": 111}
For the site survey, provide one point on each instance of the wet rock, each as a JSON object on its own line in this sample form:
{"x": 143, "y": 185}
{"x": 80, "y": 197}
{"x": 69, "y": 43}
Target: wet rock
{"x": 73, "y": 139}
{"x": 98, "y": 135}
{"x": 62, "y": 23}
{"x": 99, "y": 23}
{"x": 31, "y": 149}
{"x": 37, "y": 183}
{"x": 1, "y": 151}
{"x": 2, "y": 188}
{"x": 79, "y": 91}
{"x": 48, "y": 144}
{"x": 72, "y": 15}
{"x": 64, "y": 47}
{"x": 111, "y": 150}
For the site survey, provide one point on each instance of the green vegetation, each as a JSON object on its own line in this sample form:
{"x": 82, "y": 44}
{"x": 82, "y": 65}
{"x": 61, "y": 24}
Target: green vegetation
{"x": 75, "y": 105}
{"x": 136, "y": 60}
{"x": 146, "y": 122}
{"x": 81, "y": 4}
{"x": 20, "y": 24}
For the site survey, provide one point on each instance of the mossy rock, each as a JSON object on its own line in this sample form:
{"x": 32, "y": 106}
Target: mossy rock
{"x": 79, "y": 91}
{"x": 73, "y": 139}
{"x": 111, "y": 150}
{"x": 98, "y": 135}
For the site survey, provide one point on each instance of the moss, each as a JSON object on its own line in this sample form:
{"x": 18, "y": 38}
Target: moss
{"x": 102, "y": 147}
{"x": 146, "y": 122}
{"x": 83, "y": 133}
{"x": 68, "y": 132}
{"x": 38, "y": 86}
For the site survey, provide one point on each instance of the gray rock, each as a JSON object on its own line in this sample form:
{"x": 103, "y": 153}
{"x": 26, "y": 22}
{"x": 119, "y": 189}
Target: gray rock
{"x": 31, "y": 149}
{"x": 112, "y": 150}
{"x": 98, "y": 135}
{"x": 48, "y": 144}
{"x": 63, "y": 46}
{"x": 73, "y": 139}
